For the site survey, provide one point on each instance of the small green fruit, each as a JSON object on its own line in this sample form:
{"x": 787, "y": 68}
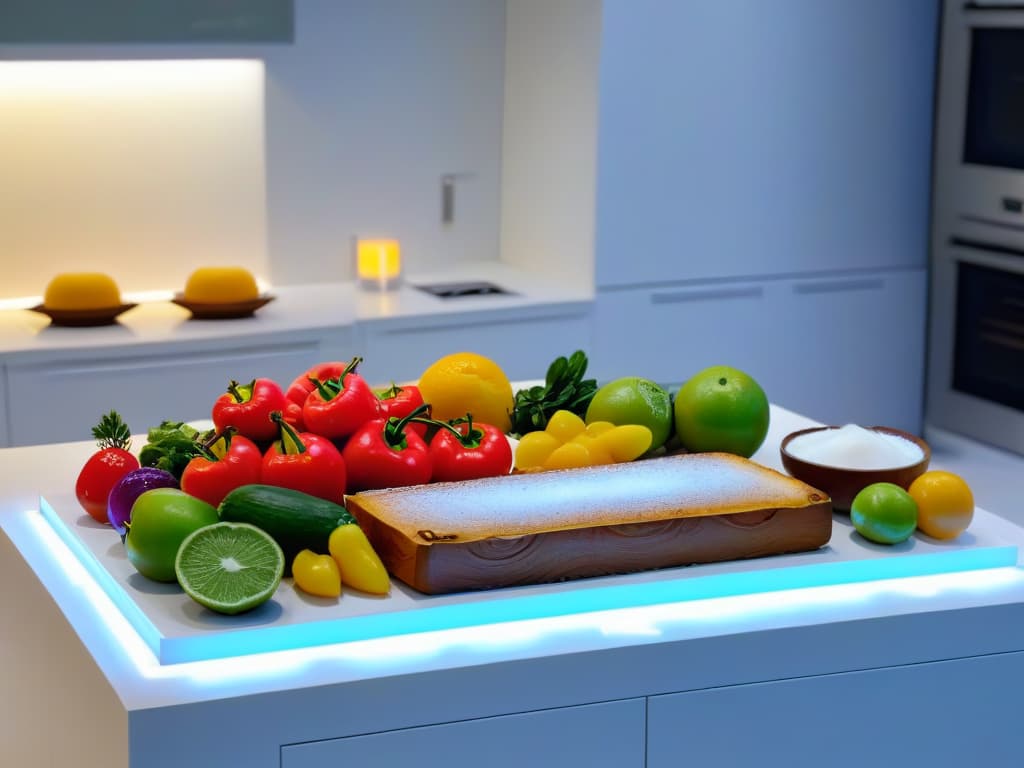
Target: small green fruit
{"x": 884, "y": 513}
{"x": 161, "y": 519}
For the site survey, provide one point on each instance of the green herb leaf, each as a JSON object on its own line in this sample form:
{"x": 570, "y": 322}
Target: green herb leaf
{"x": 171, "y": 446}
{"x": 564, "y": 389}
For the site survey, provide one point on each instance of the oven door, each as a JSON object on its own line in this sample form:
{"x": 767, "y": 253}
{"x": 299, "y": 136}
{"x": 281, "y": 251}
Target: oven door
{"x": 976, "y": 360}
{"x": 980, "y": 132}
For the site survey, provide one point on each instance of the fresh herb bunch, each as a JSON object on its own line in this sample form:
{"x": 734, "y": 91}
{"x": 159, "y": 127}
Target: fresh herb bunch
{"x": 171, "y": 446}
{"x": 564, "y": 389}
{"x": 112, "y": 432}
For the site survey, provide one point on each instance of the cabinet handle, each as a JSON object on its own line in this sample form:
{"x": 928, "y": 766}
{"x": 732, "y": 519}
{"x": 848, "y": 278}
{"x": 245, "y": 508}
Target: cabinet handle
{"x": 840, "y": 286}
{"x": 709, "y": 294}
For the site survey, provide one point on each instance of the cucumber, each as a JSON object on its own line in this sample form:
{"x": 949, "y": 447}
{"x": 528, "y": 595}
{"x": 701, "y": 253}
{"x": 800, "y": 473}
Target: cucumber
{"x": 295, "y": 520}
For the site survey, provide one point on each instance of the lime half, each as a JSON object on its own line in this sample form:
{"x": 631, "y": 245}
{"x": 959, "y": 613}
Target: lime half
{"x": 229, "y": 567}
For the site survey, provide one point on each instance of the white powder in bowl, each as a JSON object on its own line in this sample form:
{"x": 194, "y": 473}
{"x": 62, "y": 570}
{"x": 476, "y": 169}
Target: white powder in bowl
{"x": 854, "y": 447}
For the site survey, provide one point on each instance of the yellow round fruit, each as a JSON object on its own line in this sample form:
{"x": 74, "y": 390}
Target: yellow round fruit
{"x": 945, "y": 504}
{"x": 221, "y": 285}
{"x": 82, "y": 290}
{"x": 466, "y": 382}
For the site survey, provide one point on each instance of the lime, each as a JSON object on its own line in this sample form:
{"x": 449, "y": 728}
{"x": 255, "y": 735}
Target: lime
{"x": 884, "y": 513}
{"x": 229, "y": 567}
{"x": 722, "y": 409}
{"x": 633, "y": 400}
{"x": 161, "y": 518}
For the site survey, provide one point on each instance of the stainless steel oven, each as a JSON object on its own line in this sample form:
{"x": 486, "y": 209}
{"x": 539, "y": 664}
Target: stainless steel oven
{"x": 976, "y": 315}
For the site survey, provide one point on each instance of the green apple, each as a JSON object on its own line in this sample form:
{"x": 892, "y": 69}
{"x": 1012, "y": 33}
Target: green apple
{"x": 161, "y": 519}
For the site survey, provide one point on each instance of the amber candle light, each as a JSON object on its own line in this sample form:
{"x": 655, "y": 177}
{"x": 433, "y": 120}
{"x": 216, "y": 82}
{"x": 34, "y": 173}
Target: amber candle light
{"x": 378, "y": 263}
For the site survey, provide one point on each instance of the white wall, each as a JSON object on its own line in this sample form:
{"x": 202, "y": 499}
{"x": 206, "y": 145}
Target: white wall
{"x": 374, "y": 101}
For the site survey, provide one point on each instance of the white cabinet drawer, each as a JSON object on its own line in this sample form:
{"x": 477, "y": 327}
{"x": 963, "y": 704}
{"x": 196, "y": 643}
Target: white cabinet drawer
{"x": 947, "y": 713}
{"x": 850, "y": 350}
{"x": 841, "y": 349}
{"x": 61, "y": 400}
{"x": 595, "y": 735}
{"x": 522, "y": 344}
{"x": 671, "y": 333}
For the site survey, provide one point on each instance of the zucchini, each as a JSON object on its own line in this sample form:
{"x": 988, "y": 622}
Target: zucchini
{"x": 295, "y": 520}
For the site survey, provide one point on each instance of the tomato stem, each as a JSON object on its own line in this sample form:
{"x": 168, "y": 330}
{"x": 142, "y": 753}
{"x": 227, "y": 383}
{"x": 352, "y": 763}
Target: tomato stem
{"x": 291, "y": 443}
{"x": 241, "y": 392}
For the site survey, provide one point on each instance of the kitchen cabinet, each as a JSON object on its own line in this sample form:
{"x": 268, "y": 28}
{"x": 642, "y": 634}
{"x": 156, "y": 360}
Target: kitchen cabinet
{"x": 5, "y": 439}
{"x": 850, "y": 349}
{"x": 668, "y": 333}
{"x": 908, "y": 715}
{"x": 116, "y": 21}
{"x": 608, "y": 734}
{"x": 63, "y": 398}
{"x": 523, "y": 342}
{"x": 841, "y": 348}
{"x": 772, "y": 676}
{"x": 742, "y": 139}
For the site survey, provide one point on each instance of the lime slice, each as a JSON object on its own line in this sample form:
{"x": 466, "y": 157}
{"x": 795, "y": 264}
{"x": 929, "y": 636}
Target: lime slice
{"x": 229, "y": 567}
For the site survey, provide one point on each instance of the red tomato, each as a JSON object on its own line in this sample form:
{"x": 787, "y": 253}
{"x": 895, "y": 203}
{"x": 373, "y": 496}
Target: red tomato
{"x": 98, "y": 478}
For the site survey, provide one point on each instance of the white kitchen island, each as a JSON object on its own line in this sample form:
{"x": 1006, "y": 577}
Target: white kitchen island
{"x": 877, "y": 668}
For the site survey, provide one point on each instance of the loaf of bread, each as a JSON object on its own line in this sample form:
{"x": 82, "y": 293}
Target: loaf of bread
{"x": 573, "y": 523}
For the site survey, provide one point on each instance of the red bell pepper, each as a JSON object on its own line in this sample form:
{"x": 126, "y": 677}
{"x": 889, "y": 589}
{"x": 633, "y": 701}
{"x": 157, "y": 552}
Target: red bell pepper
{"x": 384, "y": 454}
{"x": 304, "y": 462}
{"x": 340, "y": 406}
{"x": 462, "y": 450}
{"x": 302, "y": 385}
{"x": 247, "y": 408}
{"x": 401, "y": 401}
{"x": 225, "y": 462}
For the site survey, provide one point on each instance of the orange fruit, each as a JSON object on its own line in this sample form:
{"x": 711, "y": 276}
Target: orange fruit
{"x": 221, "y": 285}
{"x": 945, "y": 504}
{"x": 465, "y": 382}
{"x": 633, "y": 400}
{"x": 722, "y": 409}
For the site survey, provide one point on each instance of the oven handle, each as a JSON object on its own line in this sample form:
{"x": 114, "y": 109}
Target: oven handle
{"x": 990, "y": 8}
{"x": 980, "y": 245}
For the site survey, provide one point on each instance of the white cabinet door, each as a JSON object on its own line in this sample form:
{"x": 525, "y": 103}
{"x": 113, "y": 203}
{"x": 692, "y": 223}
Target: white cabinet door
{"x": 743, "y": 138}
{"x": 61, "y": 400}
{"x": 850, "y": 350}
{"x": 668, "y": 334}
{"x": 841, "y": 349}
{"x": 596, "y": 735}
{"x": 523, "y": 344}
{"x": 950, "y": 713}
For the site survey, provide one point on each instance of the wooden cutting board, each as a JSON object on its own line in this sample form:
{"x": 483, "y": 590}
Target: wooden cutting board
{"x": 574, "y": 523}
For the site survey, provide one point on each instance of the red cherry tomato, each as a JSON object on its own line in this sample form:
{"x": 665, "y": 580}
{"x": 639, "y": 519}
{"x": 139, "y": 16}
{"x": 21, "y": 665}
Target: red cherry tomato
{"x": 98, "y": 478}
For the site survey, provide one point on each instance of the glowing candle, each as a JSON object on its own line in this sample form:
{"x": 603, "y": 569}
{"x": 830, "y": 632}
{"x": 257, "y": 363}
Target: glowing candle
{"x": 378, "y": 262}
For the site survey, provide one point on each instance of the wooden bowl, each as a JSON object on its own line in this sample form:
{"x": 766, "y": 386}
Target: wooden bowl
{"x": 843, "y": 483}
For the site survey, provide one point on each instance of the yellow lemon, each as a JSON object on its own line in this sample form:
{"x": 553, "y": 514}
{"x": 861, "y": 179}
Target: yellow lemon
{"x": 466, "y": 382}
{"x": 82, "y": 290}
{"x": 945, "y": 504}
{"x": 221, "y": 285}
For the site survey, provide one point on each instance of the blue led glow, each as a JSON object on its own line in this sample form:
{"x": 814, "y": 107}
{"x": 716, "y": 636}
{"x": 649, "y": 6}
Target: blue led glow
{"x": 582, "y": 599}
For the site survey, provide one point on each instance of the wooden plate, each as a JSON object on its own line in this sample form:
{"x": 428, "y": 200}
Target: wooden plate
{"x": 222, "y": 311}
{"x": 81, "y": 318}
